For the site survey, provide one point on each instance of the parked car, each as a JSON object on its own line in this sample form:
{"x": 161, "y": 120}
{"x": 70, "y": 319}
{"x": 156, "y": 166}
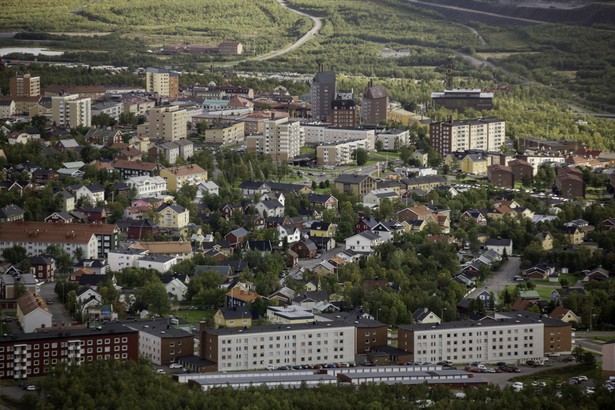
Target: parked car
{"x": 581, "y": 378}
{"x": 49, "y": 302}
{"x": 160, "y": 371}
{"x": 175, "y": 366}
{"x": 518, "y": 386}
{"x": 568, "y": 359}
{"x": 270, "y": 367}
{"x": 31, "y": 387}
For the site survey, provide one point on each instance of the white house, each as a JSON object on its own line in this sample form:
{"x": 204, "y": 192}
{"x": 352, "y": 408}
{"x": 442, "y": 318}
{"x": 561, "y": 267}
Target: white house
{"x": 87, "y": 294}
{"x": 364, "y": 242}
{"x": 93, "y": 193}
{"x": 372, "y": 199}
{"x": 290, "y": 232}
{"x": 147, "y": 187}
{"x": 270, "y": 207}
{"x": 157, "y": 262}
{"x": 500, "y": 245}
{"x": 32, "y": 313}
{"x": 121, "y": 258}
{"x": 175, "y": 287}
{"x": 206, "y": 188}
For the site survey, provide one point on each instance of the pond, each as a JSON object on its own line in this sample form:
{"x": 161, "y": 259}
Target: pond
{"x": 37, "y": 51}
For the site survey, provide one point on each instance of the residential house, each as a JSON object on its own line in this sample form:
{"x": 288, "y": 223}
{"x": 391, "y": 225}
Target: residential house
{"x": 92, "y": 193}
{"x": 98, "y": 266}
{"x": 138, "y": 229}
{"x": 86, "y": 294}
{"x": 263, "y": 247}
{"x": 597, "y": 274}
{"x": 365, "y": 225}
{"x": 364, "y": 242}
{"x": 159, "y": 263}
{"x": 129, "y": 169}
{"x": 42, "y": 267}
{"x": 236, "y": 316}
{"x": 322, "y": 229}
{"x": 373, "y": 198}
{"x": 288, "y": 233}
{"x": 476, "y": 215}
{"x": 500, "y": 245}
{"x": 305, "y": 249}
{"x": 175, "y": 287}
{"x": 173, "y": 216}
{"x": 146, "y": 186}
{"x": 474, "y": 163}
{"x": 11, "y": 213}
{"x": 284, "y": 295}
{"x": 323, "y": 201}
{"x": 424, "y": 315}
{"x": 269, "y": 207}
{"x": 236, "y": 237}
{"x": 541, "y": 271}
{"x": 323, "y": 243}
{"x": 206, "y": 188}
{"x": 574, "y": 234}
{"x": 32, "y": 313}
{"x": 254, "y": 188}
{"x": 179, "y": 176}
{"x": 565, "y": 315}
{"x": 355, "y": 184}
{"x": 241, "y": 297}
{"x": 546, "y": 240}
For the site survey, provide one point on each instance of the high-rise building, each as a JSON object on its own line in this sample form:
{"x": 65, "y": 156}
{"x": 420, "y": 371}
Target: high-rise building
{"x": 374, "y": 105}
{"x": 163, "y": 82}
{"x": 322, "y": 91}
{"x": 281, "y": 139}
{"x": 486, "y": 134}
{"x": 71, "y": 111}
{"x": 24, "y": 85}
{"x": 165, "y": 122}
{"x": 343, "y": 111}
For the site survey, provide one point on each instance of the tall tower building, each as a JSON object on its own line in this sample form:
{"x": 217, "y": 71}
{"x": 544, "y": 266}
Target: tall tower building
{"x": 486, "y": 134}
{"x": 322, "y": 91}
{"x": 24, "y": 85}
{"x": 374, "y": 105}
{"x": 165, "y": 122}
{"x": 281, "y": 139}
{"x": 71, "y": 111}
{"x": 163, "y": 82}
{"x": 343, "y": 111}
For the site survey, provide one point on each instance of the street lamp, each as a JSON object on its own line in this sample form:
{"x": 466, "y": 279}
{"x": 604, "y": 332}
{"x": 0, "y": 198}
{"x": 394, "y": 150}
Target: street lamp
{"x": 442, "y": 315}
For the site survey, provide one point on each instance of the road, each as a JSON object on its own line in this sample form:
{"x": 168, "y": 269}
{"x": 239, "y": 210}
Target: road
{"x": 57, "y": 309}
{"x": 307, "y": 36}
{"x": 504, "y": 276}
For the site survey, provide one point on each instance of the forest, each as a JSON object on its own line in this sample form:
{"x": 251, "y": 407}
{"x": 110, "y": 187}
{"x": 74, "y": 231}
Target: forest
{"x": 135, "y": 385}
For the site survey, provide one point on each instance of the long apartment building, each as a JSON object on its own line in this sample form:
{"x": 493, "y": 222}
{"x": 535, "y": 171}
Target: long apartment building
{"x": 226, "y": 134}
{"x": 487, "y": 134}
{"x": 321, "y": 134}
{"x": 512, "y": 337}
{"x": 24, "y": 355}
{"x": 339, "y": 153}
{"x": 278, "y": 345}
{"x": 71, "y": 110}
{"x": 163, "y": 82}
{"x": 281, "y": 139}
{"x": 165, "y": 122}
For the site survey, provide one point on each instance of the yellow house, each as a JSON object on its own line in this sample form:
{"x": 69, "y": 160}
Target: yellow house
{"x": 574, "y": 235}
{"x": 236, "y": 316}
{"x": 474, "y": 164}
{"x": 546, "y": 240}
{"x": 179, "y": 176}
{"x": 173, "y": 216}
{"x": 321, "y": 229}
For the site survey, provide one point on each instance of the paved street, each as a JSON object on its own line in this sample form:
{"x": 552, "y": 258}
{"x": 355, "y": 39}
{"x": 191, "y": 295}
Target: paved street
{"x": 504, "y": 276}
{"x": 60, "y": 315}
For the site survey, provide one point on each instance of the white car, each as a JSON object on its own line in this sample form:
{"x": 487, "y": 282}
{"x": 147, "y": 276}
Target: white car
{"x": 517, "y": 386}
{"x": 581, "y": 378}
{"x": 175, "y": 366}
{"x": 31, "y": 388}
{"x": 270, "y": 367}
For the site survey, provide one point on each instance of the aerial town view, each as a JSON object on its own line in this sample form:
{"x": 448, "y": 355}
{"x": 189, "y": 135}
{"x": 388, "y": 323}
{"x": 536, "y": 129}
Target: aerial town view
{"x": 307, "y": 204}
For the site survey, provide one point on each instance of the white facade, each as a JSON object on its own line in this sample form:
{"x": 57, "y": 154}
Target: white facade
{"x": 147, "y": 187}
{"x": 341, "y": 152}
{"x": 304, "y": 345}
{"x": 177, "y": 288}
{"x": 373, "y": 198}
{"x": 320, "y": 134}
{"x": 161, "y": 264}
{"x": 489, "y": 341}
{"x": 71, "y": 110}
{"x": 119, "y": 259}
{"x": 92, "y": 197}
{"x": 35, "y": 319}
{"x": 207, "y": 187}
{"x": 112, "y": 109}
{"x": 364, "y": 242}
{"x": 291, "y": 238}
{"x": 89, "y": 249}
{"x": 393, "y": 139}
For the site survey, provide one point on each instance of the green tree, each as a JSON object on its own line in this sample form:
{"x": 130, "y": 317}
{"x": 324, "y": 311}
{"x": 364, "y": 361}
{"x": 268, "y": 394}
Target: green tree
{"x": 361, "y": 156}
{"x": 154, "y": 297}
{"x": 15, "y": 254}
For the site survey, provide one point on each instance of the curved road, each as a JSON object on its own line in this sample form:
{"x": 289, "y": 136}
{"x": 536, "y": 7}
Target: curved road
{"x": 313, "y": 31}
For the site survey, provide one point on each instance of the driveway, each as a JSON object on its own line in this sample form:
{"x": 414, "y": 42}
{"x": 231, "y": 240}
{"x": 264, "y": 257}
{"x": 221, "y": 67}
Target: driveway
{"x": 57, "y": 309}
{"x": 500, "y": 279}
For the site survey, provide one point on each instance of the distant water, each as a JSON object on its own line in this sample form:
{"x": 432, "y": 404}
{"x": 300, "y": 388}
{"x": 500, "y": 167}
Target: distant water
{"x": 30, "y": 50}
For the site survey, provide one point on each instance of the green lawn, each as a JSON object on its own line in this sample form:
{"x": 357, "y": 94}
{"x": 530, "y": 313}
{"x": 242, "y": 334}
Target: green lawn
{"x": 195, "y": 316}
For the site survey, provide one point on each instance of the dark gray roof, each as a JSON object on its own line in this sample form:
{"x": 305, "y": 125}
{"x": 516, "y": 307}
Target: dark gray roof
{"x": 498, "y": 242}
{"x": 324, "y": 77}
{"x": 54, "y": 333}
{"x": 316, "y": 325}
{"x": 351, "y": 178}
{"x": 236, "y": 312}
{"x": 161, "y": 328}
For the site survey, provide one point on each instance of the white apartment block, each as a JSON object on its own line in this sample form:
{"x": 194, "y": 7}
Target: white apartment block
{"x": 256, "y": 348}
{"x": 537, "y": 160}
{"x": 147, "y": 187}
{"x": 281, "y": 139}
{"x": 112, "y": 109}
{"x": 119, "y": 259}
{"x": 138, "y": 106}
{"x": 341, "y": 152}
{"x": 70, "y": 110}
{"x": 393, "y": 139}
{"x": 482, "y": 134}
{"x": 320, "y": 134}
{"x": 506, "y": 340}
{"x": 166, "y": 122}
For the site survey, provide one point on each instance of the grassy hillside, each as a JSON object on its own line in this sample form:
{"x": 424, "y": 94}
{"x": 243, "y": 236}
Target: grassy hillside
{"x": 168, "y": 22}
